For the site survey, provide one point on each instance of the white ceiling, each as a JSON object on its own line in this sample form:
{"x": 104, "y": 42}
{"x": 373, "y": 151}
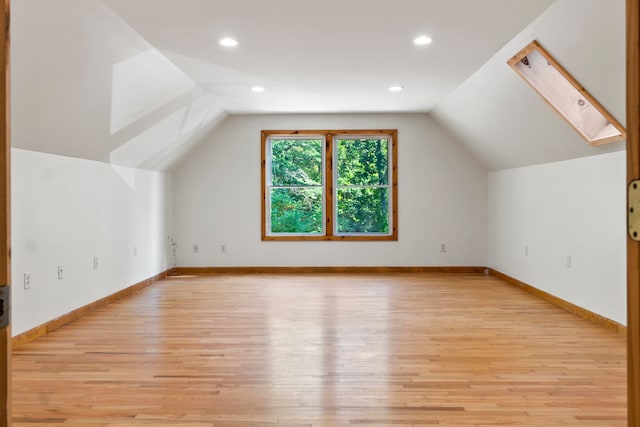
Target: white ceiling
{"x": 329, "y": 55}
{"x": 140, "y": 82}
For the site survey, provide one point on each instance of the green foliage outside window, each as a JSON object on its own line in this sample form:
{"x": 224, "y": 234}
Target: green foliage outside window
{"x": 361, "y": 195}
{"x": 296, "y": 174}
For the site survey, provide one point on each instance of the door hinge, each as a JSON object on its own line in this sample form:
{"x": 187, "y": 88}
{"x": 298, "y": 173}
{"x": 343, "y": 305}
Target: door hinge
{"x": 5, "y": 306}
{"x": 633, "y": 209}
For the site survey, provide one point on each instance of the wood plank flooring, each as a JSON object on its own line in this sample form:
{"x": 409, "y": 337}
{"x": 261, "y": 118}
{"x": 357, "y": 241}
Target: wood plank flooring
{"x": 324, "y": 350}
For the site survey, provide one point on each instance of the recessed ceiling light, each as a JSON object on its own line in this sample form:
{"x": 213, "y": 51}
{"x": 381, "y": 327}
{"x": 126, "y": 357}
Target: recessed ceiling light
{"x": 422, "y": 40}
{"x": 257, "y": 89}
{"x": 228, "y": 42}
{"x": 396, "y": 88}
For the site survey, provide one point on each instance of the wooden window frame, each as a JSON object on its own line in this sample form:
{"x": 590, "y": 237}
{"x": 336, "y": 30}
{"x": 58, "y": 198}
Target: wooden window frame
{"x": 329, "y": 185}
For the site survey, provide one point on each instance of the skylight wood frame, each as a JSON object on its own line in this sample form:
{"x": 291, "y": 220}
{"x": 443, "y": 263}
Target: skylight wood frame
{"x": 566, "y": 96}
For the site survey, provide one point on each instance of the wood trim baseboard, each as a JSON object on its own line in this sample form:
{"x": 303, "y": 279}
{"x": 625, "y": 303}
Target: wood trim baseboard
{"x": 52, "y": 325}
{"x": 206, "y": 271}
{"x": 565, "y": 305}
{"x": 72, "y": 316}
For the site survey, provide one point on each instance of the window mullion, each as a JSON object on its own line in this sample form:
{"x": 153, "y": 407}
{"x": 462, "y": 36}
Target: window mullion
{"x": 328, "y": 185}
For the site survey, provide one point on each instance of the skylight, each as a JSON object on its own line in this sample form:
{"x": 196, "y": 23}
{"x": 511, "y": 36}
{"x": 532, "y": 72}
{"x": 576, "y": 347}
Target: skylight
{"x": 581, "y": 110}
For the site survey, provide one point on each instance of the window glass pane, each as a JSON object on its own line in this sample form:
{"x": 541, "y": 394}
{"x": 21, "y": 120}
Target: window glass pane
{"x": 363, "y": 161}
{"x": 296, "y": 162}
{"x": 297, "y": 177}
{"x": 363, "y": 210}
{"x": 296, "y": 210}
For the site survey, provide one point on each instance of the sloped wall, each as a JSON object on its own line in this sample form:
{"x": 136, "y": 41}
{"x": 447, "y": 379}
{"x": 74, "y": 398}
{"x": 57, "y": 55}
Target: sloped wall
{"x": 442, "y": 199}
{"x": 65, "y": 211}
{"x": 506, "y": 124}
{"x": 85, "y": 84}
{"x": 540, "y": 215}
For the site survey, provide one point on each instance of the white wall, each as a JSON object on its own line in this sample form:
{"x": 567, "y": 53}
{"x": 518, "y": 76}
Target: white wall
{"x": 65, "y": 211}
{"x": 574, "y": 207}
{"x": 442, "y": 199}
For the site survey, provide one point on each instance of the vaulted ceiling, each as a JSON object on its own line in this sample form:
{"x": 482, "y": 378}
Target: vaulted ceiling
{"x": 330, "y": 55}
{"x": 140, "y": 82}
{"x": 506, "y": 124}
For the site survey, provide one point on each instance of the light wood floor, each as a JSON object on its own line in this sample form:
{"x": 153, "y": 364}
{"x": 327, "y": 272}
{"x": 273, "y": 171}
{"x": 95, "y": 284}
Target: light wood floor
{"x": 324, "y": 350}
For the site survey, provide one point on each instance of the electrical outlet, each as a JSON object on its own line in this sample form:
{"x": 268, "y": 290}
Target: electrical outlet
{"x": 196, "y": 248}
{"x": 135, "y": 251}
{"x": 223, "y": 248}
{"x": 27, "y": 280}
{"x": 60, "y": 272}
{"x": 526, "y": 250}
{"x": 95, "y": 262}
{"x": 443, "y": 247}
{"x": 568, "y": 261}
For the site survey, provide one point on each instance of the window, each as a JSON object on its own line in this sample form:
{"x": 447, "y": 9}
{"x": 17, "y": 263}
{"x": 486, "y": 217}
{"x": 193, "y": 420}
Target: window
{"x": 562, "y": 92}
{"x": 329, "y": 185}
